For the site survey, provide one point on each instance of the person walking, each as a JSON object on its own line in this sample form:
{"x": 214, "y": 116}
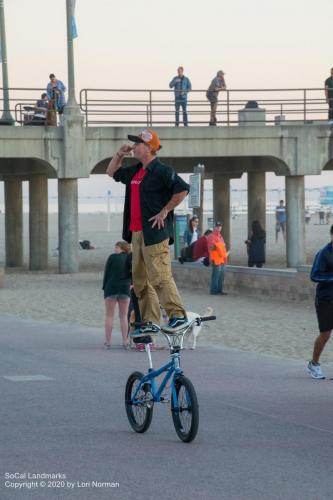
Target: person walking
{"x": 307, "y": 215}
{"x": 321, "y": 216}
{"x": 218, "y": 257}
{"x": 56, "y": 93}
{"x": 280, "y": 221}
{"x": 212, "y": 94}
{"x": 328, "y": 215}
{"x": 329, "y": 95}
{"x": 182, "y": 86}
{"x": 116, "y": 286}
{"x": 153, "y": 191}
{"x": 256, "y": 245}
{"x": 322, "y": 274}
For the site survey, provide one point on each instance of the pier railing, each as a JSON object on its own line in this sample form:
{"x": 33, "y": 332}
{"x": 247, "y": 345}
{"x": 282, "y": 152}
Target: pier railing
{"x": 148, "y": 107}
{"x": 157, "y": 107}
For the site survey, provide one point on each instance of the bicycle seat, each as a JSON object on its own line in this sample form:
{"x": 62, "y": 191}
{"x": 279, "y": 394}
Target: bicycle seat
{"x": 144, "y": 339}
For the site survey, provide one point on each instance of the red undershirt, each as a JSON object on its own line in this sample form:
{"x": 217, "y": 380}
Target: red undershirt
{"x": 136, "y": 219}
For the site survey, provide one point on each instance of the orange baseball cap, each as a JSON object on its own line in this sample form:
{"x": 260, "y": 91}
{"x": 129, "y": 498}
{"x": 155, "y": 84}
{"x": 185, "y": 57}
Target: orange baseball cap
{"x": 147, "y": 137}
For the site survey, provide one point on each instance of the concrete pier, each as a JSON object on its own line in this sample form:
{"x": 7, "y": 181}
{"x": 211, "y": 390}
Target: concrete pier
{"x": 68, "y": 226}
{"x": 38, "y": 222}
{"x": 75, "y": 151}
{"x": 295, "y": 200}
{"x": 13, "y": 222}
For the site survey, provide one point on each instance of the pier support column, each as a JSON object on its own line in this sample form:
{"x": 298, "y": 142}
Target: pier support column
{"x": 38, "y": 222}
{"x": 295, "y": 201}
{"x": 221, "y": 204}
{"x": 68, "y": 226}
{"x": 199, "y": 211}
{"x": 256, "y": 199}
{"x": 13, "y": 222}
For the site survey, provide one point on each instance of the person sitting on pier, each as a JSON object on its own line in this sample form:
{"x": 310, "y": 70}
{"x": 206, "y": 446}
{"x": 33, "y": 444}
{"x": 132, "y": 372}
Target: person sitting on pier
{"x": 41, "y": 108}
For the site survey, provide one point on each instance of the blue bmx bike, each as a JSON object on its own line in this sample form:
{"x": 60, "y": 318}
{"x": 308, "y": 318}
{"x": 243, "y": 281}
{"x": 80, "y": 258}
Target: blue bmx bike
{"x": 143, "y": 391}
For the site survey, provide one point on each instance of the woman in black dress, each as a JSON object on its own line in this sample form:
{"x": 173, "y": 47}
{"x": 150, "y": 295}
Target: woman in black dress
{"x": 116, "y": 286}
{"x": 256, "y": 245}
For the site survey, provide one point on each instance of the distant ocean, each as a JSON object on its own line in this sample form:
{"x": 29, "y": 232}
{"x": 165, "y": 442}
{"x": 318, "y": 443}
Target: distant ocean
{"x": 99, "y": 204}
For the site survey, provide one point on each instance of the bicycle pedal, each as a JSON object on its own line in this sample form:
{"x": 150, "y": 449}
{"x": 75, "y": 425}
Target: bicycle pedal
{"x": 164, "y": 400}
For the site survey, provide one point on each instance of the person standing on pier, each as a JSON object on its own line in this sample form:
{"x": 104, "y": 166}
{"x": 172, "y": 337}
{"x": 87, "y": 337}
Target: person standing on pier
{"x": 212, "y": 94}
{"x": 182, "y": 86}
{"x": 56, "y": 93}
{"x": 329, "y": 95}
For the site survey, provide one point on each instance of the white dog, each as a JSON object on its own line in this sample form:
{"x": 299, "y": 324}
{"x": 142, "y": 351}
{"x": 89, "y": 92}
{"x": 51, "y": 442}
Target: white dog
{"x": 196, "y": 329}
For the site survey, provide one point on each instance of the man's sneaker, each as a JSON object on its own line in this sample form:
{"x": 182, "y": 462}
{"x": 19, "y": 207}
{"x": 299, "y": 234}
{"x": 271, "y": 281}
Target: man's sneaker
{"x": 149, "y": 329}
{"x": 144, "y": 330}
{"x": 315, "y": 371}
{"x": 175, "y": 324}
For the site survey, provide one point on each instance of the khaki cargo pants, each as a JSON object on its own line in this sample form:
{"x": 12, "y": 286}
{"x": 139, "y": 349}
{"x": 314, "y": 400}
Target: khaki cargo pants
{"x": 152, "y": 280}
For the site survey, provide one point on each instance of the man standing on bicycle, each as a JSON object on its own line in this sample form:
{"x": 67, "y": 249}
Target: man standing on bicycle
{"x": 153, "y": 191}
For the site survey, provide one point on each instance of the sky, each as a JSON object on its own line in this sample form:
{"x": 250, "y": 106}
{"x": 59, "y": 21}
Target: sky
{"x": 139, "y": 44}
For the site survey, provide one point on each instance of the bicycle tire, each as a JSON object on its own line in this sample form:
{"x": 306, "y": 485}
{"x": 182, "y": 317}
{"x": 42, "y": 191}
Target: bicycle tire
{"x": 144, "y": 411}
{"x": 185, "y": 433}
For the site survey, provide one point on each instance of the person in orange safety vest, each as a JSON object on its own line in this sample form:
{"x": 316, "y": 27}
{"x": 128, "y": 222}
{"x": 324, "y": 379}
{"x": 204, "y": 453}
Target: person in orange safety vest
{"x": 218, "y": 257}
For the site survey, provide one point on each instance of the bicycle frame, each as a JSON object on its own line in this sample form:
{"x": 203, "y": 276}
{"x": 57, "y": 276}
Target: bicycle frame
{"x": 171, "y": 368}
{"x": 175, "y": 343}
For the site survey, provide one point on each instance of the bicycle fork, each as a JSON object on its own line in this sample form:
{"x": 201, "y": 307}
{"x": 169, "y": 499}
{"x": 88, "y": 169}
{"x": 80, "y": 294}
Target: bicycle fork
{"x": 174, "y": 397}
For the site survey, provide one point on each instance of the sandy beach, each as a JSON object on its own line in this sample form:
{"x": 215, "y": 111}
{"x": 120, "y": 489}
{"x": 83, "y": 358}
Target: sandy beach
{"x": 280, "y": 329}
{"x": 94, "y": 228}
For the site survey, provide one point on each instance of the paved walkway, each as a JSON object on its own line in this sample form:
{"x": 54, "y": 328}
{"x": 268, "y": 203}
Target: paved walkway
{"x": 266, "y": 429}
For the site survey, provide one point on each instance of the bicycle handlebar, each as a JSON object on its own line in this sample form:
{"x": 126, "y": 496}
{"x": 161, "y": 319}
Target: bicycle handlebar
{"x": 207, "y": 318}
{"x": 174, "y": 339}
{"x": 149, "y": 323}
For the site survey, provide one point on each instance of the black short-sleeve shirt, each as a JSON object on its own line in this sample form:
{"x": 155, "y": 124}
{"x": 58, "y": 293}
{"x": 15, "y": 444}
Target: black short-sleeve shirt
{"x": 158, "y": 186}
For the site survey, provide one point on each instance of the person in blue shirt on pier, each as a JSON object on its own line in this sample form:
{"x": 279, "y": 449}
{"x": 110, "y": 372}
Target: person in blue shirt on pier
{"x": 182, "y": 86}
{"x": 322, "y": 274}
{"x": 56, "y": 93}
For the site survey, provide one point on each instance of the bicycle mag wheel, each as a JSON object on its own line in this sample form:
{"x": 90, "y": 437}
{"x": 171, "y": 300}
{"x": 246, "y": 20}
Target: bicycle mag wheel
{"x": 186, "y": 419}
{"x": 139, "y": 416}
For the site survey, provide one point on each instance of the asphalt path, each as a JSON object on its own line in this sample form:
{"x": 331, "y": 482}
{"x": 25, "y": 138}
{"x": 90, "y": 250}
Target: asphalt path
{"x": 266, "y": 428}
